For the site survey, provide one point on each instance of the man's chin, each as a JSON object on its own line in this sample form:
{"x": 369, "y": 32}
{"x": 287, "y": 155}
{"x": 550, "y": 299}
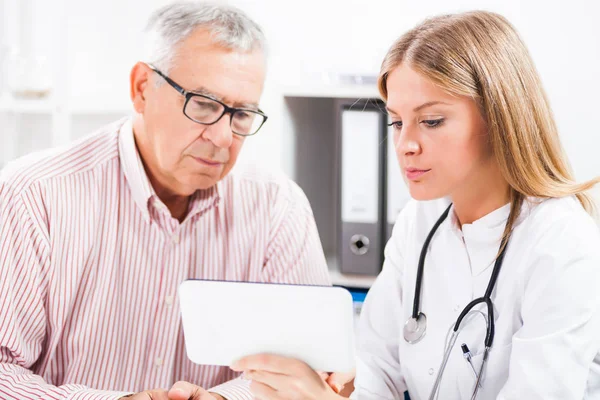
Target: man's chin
{"x": 202, "y": 182}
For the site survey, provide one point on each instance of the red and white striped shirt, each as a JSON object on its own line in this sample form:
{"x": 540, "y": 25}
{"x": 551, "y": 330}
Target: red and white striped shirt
{"x": 91, "y": 259}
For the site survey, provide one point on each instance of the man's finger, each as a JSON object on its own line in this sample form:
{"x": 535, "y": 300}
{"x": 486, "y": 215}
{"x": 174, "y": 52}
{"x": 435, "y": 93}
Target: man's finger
{"x": 156, "y": 394}
{"x": 186, "y": 391}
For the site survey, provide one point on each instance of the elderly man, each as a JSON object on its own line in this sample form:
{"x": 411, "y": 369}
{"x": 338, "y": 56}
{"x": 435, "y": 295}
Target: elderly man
{"x": 96, "y": 237}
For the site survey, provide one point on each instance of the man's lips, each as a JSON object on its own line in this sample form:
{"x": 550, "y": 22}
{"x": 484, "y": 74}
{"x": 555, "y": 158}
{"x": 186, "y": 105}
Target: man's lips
{"x": 207, "y": 162}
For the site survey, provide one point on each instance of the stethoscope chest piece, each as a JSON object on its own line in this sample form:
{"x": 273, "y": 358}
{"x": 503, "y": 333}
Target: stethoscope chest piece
{"x": 415, "y": 328}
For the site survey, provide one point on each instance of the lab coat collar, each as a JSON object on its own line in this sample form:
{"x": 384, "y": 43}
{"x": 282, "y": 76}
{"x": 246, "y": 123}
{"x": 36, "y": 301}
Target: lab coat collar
{"x": 482, "y": 237}
{"x": 496, "y": 218}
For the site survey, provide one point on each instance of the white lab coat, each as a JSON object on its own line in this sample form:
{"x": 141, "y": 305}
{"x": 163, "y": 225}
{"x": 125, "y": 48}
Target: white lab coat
{"x": 546, "y": 303}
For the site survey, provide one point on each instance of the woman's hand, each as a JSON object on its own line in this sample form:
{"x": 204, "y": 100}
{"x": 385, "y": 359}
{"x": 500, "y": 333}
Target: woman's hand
{"x": 280, "y": 378}
{"x": 341, "y": 382}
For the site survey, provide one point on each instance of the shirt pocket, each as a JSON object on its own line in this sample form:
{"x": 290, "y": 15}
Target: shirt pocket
{"x": 495, "y": 373}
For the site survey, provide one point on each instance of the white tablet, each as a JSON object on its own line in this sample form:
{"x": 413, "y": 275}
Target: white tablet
{"x": 224, "y": 321}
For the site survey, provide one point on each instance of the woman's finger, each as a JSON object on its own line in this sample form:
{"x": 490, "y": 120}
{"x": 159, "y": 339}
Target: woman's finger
{"x": 262, "y": 391}
{"x": 270, "y": 363}
{"x": 338, "y": 380}
{"x": 277, "y": 382}
{"x": 323, "y": 375}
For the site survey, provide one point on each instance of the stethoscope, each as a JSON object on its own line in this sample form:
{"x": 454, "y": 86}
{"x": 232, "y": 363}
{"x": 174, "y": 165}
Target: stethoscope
{"x": 416, "y": 326}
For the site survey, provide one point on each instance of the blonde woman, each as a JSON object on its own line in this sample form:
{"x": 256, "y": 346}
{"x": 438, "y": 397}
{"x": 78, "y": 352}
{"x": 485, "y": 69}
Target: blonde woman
{"x": 496, "y": 260}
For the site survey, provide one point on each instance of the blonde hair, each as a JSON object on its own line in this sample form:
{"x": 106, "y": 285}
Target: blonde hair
{"x": 479, "y": 54}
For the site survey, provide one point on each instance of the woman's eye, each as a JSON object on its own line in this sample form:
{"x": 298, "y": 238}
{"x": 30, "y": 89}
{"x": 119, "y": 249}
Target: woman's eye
{"x": 433, "y": 123}
{"x": 396, "y": 124}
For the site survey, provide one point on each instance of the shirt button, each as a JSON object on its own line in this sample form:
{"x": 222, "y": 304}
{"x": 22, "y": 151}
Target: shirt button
{"x": 158, "y": 362}
{"x": 169, "y": 301}
{"x": 175, "y": 238}
{"x": 430, "y": 371}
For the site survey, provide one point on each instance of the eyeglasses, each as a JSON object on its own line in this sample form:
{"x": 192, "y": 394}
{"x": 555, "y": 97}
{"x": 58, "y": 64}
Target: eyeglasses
{"x": 208, "y": 111}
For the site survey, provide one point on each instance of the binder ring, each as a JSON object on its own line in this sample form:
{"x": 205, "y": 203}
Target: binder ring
{"x": 359, "y": 244}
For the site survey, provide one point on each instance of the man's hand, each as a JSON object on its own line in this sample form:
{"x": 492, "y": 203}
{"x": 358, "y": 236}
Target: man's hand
{"x": 180, "y": 391}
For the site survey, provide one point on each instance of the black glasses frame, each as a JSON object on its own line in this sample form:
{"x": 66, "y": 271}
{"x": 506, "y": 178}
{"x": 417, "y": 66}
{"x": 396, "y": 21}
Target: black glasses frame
{"x": 226, "y": 109}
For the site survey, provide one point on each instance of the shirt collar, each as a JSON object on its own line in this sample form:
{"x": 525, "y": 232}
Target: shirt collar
{"x": 203, "y": 200}
{"x": 135, "y": 174}
{"x": 142, "y": 191}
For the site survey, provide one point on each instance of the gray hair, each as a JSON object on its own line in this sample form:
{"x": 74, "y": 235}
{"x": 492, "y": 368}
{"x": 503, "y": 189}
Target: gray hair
{"x": 170, "y": 25}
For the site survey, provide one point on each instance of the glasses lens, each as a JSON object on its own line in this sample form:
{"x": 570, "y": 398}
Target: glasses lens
{"x": 246, "y": 122}
{"x": 203, "y": 110}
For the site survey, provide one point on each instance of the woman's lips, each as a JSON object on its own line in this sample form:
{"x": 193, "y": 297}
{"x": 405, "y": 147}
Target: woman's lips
{"x": 415, "y": 173}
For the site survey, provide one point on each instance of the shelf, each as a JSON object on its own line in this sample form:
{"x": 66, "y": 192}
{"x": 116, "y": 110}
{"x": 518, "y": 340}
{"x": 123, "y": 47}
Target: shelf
{"x": 332, "y": 91}
{"x": 347, "y": 280}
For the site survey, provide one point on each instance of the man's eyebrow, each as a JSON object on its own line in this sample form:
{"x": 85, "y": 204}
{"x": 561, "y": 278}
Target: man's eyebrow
{"x": 205, "y": 92}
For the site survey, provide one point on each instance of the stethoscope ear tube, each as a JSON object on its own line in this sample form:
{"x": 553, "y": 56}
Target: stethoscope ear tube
{"x": 491, "y": 328}
{"x": 417, "y": 298}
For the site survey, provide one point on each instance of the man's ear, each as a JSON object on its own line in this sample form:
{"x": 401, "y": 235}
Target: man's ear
{"x": 139, "y": 80}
